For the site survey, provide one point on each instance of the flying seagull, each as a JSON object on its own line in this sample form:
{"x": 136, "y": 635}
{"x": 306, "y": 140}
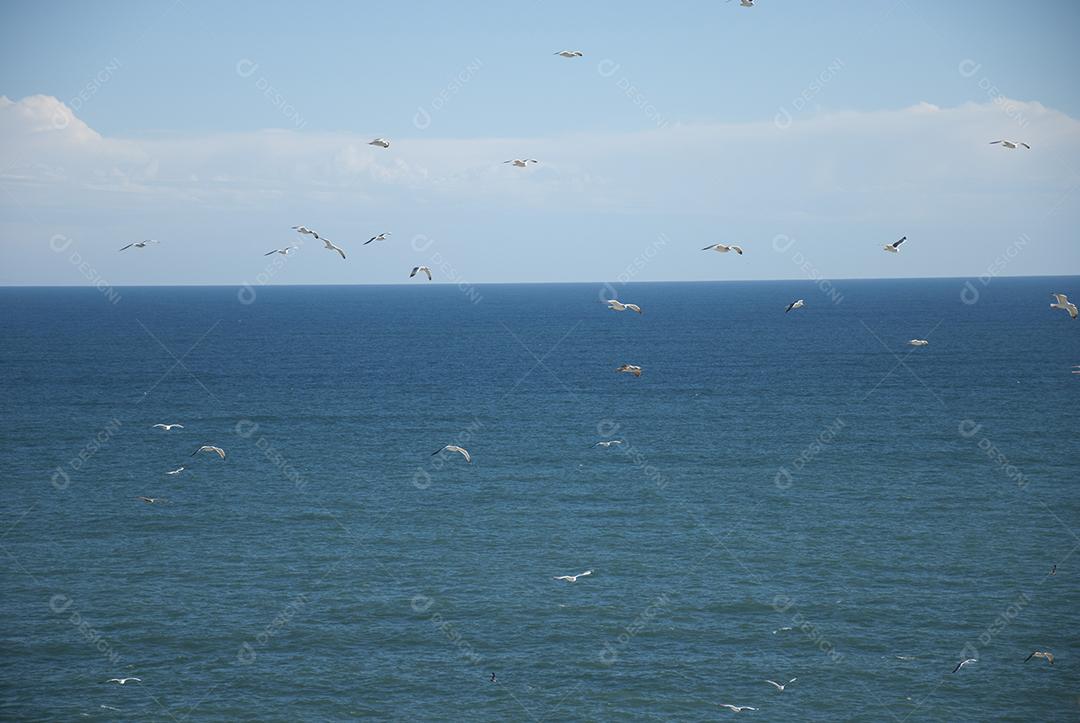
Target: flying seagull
{"x": 894, "y": 247}
{"x": 616, "y": 305}
{"x": 493, "y": 678}
{"x": 781, "y": 687}
{"x": 167, "y": 427}
{"x": 573, "y": 578}
{"x": 454, "y": 448}
{"x": 210, "y": 448}
{"x": 521, "y": 162}
{"x": 284, "y": 252}
{"x": 178, "y": 470}
{"x": 1039, "y": 654}
{"x": 570, "y": 53}
{"x": 139, "y": 244}
{"x": 380, "y": 237}
{"x": 798, "y": 304}
{"x": 122, "y": 681}
{"x": 306, "y": 231}
{"x": 724, "y": 248}
{"x": 380, "y": 142}
{"x": 1013, "y": 145}
{"x": 745, "y": 3}
{"x": 1064, "y": 304}
{"x": 150, "y": 500}
{"x": 607, "y": 443}
{"x": 918, "y": 342}
{"x": 329, "y": 245}
{"x": 630, "y": 369}
{"x": 425, "y": 269}
{"x": 736, "y": 708}
{"x": 962, "y": 663}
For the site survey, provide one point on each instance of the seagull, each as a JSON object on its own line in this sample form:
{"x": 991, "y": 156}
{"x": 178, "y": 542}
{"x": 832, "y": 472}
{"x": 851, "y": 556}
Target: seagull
{"x": 1053, "y": 570}
{"x": 329, "y": 245}
{"x": 167, "y": 427}
{"x": 150, "y": 501}
{"x": 521, "y": 162}
{"x": 894, "y": 247}
{"x": 616, "y": 305}
{"x": 774, "y": 632}
{"x": 781, "y": 687}
{"x": 724, "y": 248}
{"x": 178, "y": 470}
{"x": 570, "y": 53}
{"x": 381, "y": 142}
{"x": 573, "y": 578}
{"x": 606, "y": 444}
{"x": 736, "y": 708}
{"x": 307, "y": 231}
{"x": 454, "y": 448}
{"x": 1039, "y": 654}
{"x": 210, "y": 448}
{"x": 492, "y": 677}
{"x": 1064, "y": 304}
{"x": 1013, "y": 145}
{"x": 425, "y": 269}
{"x": 284, "y": 252}
{"x": 745, "y": 3}
{"x": 962, "y": 663}
{"x": 795, "y": 305}
{"x": 630, "y": 369}
{"x": 918, "y": 342}
{"x": 122, "y": 681}
{"x": 380, "y": 237}
{"x": 139, "y": 244}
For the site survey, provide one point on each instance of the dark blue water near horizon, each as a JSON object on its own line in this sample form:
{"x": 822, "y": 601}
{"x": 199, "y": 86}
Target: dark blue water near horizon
{"x": 797, "y": 495}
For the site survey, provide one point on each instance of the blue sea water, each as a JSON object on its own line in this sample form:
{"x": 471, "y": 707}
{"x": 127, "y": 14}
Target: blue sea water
{"x": 798, "y": 495}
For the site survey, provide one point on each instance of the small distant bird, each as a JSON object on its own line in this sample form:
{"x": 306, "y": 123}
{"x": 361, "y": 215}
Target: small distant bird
{"x": 1064, "y": 304}
{"x": 736, "y": 708}
{"x": 724, "y": 248}
{"x": 745, "y": 3}
{"x": 425, "y": 269}
{"x": 167, "y": 427}
{"x": 304, "y": 230}
{"x": 573, "y": 578}
{"x": 380, "y": 237}
{"x": 894, "y": 247}
{"x": 1053, "y": 570}
{"x": 630, "y": 369}
{"x": 284, "y": 252}
{"x": 329, "y": 245}
{"x": 774, "y": 632}
{"x": 122, "y": 681}
{"x": 151, "y": 500}
{"x": 380, "y": 142}
{"x": 521, "y": 162}
{"x": 781, "y": 687}
{"x": 962, "y": 663}
{"x": 139, "y": 244}
{"x": 210, "y": 448}
{"x": 570, "y": 53}
{"x": 492, "y": 677}
{"x": 1012, "y": 145}
{"x": 798, "y": 304}
{"x": 607, "y": 443}
{"x": 454, "y": 448}
{"x": 1039, "y": 654}
{"x": 918, "y": 342}
{"x": 178, "y": 470}
{"x": 616, "y": 305}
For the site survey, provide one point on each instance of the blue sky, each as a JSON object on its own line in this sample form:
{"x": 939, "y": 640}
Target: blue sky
{"x": 214, "y": 127}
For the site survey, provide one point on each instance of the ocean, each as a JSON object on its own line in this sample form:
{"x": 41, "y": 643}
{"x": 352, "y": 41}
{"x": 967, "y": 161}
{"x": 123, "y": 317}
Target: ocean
{"x": 797, "y": 495}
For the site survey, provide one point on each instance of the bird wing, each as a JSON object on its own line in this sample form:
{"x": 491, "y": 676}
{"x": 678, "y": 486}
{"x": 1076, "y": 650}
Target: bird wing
{"x": 428, "y": 272}
{"x": 1030, "y": 656}
{"x": 897, "y": 244}
{"x": 270, "y": 252}
{"x": 737, "y": 249}
{"x": 1061, "y": 298}
{"x": 993, "y": 142}
{"x": 220, "y": 451}
{"x": 789, "y": 307}
{"x": 370, "y": 240}
{"x": 634, "y": 307}
{"x": 778, "y": 686}
{"x": 1025, "y": 145}
{"x": 415, "y": 269}
{"x": 127, "y": 247}
{"x": 465, "y": 454}
{"x": 710, "y": 247}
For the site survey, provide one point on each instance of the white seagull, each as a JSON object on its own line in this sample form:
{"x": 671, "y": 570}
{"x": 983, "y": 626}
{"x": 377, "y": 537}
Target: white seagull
{"x": 570, "y": 53}
{"x": 521, "y": 162}
{"x": 1049, "y": 657}
{"x": 380, "y": 237}
{"x": 736, "y": 708}
{"x": 607, "y": 443}
{"x": 425, "y": 269}
{"x": 918, "y": 342}
{"x": 454, "y": 448}
{"x": 178, "y": 470}
{"x": 962, "y": 663}
{"x": 151, "y": 500}
{"x": 781, "y": 687}
{"x": 573, "y": 578}
{"x": 745, "y": 3}
{"x": 284, "y": 252}
{"x": 798, "y": 304}
{"x": 724, "y": 248}
{"x": 1012, "y": 145}
{"x": 306, "y": 231}
{"x": 1064, "y": 304}
{"x": 380, "y": 142}
{"x": 122, "y": 681}
{"x": 139, "y": 244}
{"x": 616, "y": 305}
{"x": 630, "y": 369}
{"x": 210, "y": 448}
{"x": 894, "y": 247}
{"x": 167, "y": 427}
{"x": 329, "y": 245}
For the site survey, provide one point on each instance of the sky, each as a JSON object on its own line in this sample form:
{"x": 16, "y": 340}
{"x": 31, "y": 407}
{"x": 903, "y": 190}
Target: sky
{"x": 809, "y": 133}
